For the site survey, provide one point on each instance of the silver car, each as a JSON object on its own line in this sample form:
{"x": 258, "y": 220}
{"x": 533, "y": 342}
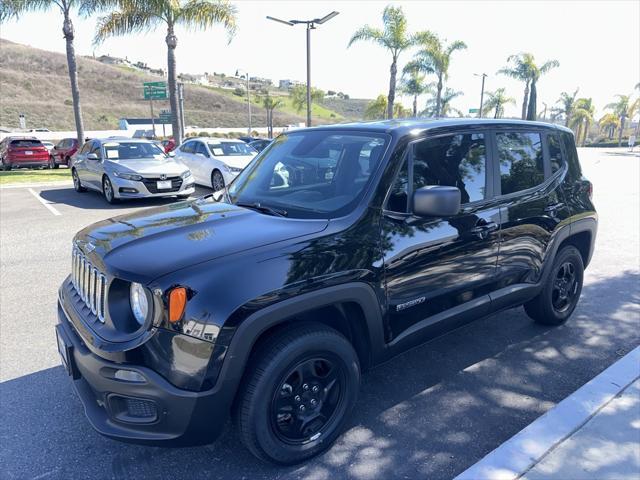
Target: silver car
{"x": 122, "y": 168}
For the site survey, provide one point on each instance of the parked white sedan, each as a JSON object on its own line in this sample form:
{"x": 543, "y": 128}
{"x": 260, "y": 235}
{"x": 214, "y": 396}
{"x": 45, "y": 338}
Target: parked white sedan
{"x": 215, "y": 162}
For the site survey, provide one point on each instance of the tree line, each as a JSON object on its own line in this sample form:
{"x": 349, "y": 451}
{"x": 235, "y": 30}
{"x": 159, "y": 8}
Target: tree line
{"x": 431, "y": 59}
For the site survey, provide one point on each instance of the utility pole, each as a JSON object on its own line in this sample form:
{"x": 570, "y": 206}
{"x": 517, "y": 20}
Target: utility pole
{"x": 311, "y": 25}
{"x": 181, "y": 108}
{"x": 238, "y": 73}
{"x": 483, "y": 75}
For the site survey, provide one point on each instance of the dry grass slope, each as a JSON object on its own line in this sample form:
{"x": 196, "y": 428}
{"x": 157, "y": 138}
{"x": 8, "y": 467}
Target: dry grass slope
{"x": 35, "y": 82}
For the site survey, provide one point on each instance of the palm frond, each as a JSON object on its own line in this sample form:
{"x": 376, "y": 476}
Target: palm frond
{"x": 16, "y": 8}
{"x": 457, "y": 45}
{"x": 368, "y": 33}
{"x": 548, "y": 65}
{"x": 123, "y": 23}
{"x": 206, "y": 13}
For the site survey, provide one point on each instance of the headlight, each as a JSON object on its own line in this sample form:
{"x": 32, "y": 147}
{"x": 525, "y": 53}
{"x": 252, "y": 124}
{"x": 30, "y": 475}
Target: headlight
{"x": 128, "y": 176}
{"x": 186, "y": 174}
{"x": 231, "y": 169}
{"x": 139, "y": 302}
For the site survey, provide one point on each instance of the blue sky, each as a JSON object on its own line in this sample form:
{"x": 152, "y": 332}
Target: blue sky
{"x": 596, "y": 42}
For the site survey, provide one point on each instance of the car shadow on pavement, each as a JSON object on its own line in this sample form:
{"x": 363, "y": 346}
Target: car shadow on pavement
{"x": 95, "y": 201}
{"x": 429, "y": 413}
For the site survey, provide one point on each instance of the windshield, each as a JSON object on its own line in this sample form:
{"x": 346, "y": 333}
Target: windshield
{"x": 230, "y": 149}
{"x": 132, "y": 150}
{"x": 312, "y": 174}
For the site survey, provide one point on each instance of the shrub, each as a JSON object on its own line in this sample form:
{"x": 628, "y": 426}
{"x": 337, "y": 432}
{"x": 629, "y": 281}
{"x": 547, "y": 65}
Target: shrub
{"x": 203, "y": 134}
{"x": 238, "y": 91}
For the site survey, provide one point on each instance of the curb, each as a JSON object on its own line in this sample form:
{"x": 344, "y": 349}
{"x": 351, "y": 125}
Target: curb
{"x": 521, "y": 452}
{"x": 59, "y": 183}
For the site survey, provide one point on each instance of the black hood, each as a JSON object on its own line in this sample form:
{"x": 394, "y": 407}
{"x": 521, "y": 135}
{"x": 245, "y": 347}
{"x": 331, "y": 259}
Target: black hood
{"x": 148, "y": 244}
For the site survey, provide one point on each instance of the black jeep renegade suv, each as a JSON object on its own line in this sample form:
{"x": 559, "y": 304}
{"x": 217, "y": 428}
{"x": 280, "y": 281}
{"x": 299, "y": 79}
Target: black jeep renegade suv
{"x": 335, "y": 249}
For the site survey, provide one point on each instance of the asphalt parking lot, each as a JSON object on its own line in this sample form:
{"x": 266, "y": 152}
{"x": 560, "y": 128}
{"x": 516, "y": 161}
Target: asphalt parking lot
{"x": 430, "y": 413}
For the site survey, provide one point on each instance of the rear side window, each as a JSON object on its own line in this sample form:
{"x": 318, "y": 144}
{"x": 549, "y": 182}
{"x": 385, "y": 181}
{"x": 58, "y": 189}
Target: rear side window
{"x": 26, "y": 143}
{"x": 521, "y": 161}
{"x": 187, "y": 147}
{"x": 555, "y": 152}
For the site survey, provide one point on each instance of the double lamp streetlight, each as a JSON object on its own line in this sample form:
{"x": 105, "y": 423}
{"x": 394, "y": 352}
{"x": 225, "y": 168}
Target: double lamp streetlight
{"x": 311, "y": 25}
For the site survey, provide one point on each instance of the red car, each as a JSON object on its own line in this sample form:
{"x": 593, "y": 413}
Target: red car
{"x": 168, "y": 145}
{"x": 63, "y": 151}
{"x": 16, "y": 152}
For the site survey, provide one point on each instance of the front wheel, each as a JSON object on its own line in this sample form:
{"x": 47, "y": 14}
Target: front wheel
{"x": 561, "y": 292}
{"x": 52, "y": 162}
{"x": 299, "y": 390}
{"x": 77, "y": 185}
{"x": 6, "y": 166}
{"x": 107, "y": 191}
{"x": 217, "y": 180}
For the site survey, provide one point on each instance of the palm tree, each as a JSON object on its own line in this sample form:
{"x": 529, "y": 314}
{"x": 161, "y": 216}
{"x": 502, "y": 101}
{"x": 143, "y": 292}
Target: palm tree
{"x": 413, "y": 84}
{"x": 270, "y": 104}
{"x": 582, "y": 118}
{"x": 536, "y": 73}
{"x": 567, "y": 105}
{"x": 434, "y": 56}
{"x": 622, "y": 109}
{"x": 134, "y": 16}
{"x": 394, "y": 37}
{"x": 496, "y": 102}
{"x": 16, "y": 8}
{"x": 442, "y": 104}
{"x": 523, "y": 67}
{"x": 608, "y": 123}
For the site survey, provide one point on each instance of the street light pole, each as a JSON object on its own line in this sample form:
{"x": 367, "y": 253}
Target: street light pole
{"x": 483, "y": 75}
{"x": 311, "y": 25}
{"x": 248, "y": 99}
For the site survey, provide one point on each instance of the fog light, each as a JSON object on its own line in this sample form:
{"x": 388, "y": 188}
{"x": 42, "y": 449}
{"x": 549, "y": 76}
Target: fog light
{"x": 128, "y": 190}
{"x": 129, "y": 376}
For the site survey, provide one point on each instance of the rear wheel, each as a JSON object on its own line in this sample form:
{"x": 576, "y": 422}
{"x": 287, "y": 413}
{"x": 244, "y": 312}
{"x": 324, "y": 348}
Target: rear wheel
{"x": 107, "y": 190}
{"x": 52, "y": 162}
{"x": 217, "y": 180}
{"x": 300, "y": 388}
{"x": 559, "y": 296}
{"x": 6, "y": 166}
{"x": 77, "y": 185}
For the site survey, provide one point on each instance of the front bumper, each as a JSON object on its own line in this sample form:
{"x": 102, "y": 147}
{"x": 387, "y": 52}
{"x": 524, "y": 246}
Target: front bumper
{"x": 133, "y": 189}
{"x": 150, "y": 412}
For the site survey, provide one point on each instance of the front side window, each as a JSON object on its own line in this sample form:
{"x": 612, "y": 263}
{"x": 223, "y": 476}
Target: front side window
{"x": 201, "y": 149}
{"x": 521, "y": 161}
{"x": 187, "y": 147}
{"x": 311, "y": 174}
{"x": 86, "y": 147}
{"x": 231, "y": 149}
{"x": 453, "y": 160}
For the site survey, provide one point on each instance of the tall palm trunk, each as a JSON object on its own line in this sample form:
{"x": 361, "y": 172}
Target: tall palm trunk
{"x": 622, "y": 122}
{"x": 439, "y": 96}
{"x": 392, "y": 87}
{"x": 578, "y": 132}
{"x": 172, "y": 42}
{"x": 497, "y": 112}
{"x": 533, "y": 99}
{"x": 415, "y": 106}
{"x": 587, "y": 125}
{"x": 525, "y": 100}
{"x": 67, "y": 30}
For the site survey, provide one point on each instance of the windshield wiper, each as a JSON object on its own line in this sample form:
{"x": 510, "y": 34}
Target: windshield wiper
{"x": 263, "y": 208}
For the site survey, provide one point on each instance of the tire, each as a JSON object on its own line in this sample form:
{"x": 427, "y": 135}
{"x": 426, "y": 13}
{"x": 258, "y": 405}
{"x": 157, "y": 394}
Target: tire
{"x": 217, "y": 180}
{"x": 77, "y": 185}
{"x": 320, "y": 398}
{"x": 107, "y": 191}
{"x": 52, "y": 162}
{"x": 6, "y": 166}
{"x": 559, "y": 296}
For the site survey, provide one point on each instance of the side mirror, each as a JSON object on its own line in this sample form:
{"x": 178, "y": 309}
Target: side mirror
{"x": 172, "y": 153}
{"x": 436, "y": 201}
{"x": 92, "y": 156}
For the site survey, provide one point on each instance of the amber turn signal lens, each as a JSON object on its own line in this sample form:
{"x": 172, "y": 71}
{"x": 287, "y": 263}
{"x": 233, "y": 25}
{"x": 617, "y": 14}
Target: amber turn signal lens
{"x": 177, "y": 302}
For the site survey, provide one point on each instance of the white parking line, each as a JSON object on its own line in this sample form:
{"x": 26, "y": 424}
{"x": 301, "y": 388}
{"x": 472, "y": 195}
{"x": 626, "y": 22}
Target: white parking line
{"x": 46, "y": 203}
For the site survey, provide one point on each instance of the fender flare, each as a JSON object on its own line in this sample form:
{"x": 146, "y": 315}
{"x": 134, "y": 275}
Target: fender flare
{"x": 250, "y": 330}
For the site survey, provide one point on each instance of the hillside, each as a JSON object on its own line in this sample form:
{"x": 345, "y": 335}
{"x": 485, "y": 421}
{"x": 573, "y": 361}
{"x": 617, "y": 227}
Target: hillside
{"x": 35, "y": 82}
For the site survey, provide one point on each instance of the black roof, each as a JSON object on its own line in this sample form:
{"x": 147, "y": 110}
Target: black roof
{"x": 402, "y": 127}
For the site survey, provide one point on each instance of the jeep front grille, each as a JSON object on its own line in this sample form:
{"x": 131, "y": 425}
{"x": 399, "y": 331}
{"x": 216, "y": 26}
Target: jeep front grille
{"x": 90, "y": 284}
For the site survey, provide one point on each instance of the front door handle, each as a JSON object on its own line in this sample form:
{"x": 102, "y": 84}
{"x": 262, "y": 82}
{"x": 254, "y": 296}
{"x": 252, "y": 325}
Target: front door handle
{"x": 484, "y": 229}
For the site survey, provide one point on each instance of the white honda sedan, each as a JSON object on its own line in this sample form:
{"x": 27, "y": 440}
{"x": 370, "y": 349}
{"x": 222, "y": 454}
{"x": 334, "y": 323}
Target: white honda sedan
{"x": 215, "y": 162}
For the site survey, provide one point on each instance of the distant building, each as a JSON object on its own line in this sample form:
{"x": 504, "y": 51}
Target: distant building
{"x": 133, "y": 125}
{"x": 288, "y": 84}
{"x": 111, "y": 60}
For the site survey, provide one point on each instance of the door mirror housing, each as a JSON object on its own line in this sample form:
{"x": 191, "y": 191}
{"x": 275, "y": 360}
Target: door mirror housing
{"x": 436, "y": 201}
{"x": 172, "y": 153}
{"x": 92, "y": 156}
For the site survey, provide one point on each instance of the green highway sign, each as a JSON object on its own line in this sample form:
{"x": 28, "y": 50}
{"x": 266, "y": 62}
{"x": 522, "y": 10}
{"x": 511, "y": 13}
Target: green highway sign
{"x": 155, "y": 90}
{"x": 474, "y": 110}
{"x": 165, "y": 115}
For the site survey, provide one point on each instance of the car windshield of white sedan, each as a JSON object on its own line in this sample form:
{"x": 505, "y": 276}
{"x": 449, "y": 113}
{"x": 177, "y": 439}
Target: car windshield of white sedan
{"x": 132, "y": 150}
{"x": 231, "y": 149}
{"x": 313, "y": 174}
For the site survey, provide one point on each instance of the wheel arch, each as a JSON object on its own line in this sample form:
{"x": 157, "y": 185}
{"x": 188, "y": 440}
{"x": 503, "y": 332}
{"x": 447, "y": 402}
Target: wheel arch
{"x": 352, "y": 309}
